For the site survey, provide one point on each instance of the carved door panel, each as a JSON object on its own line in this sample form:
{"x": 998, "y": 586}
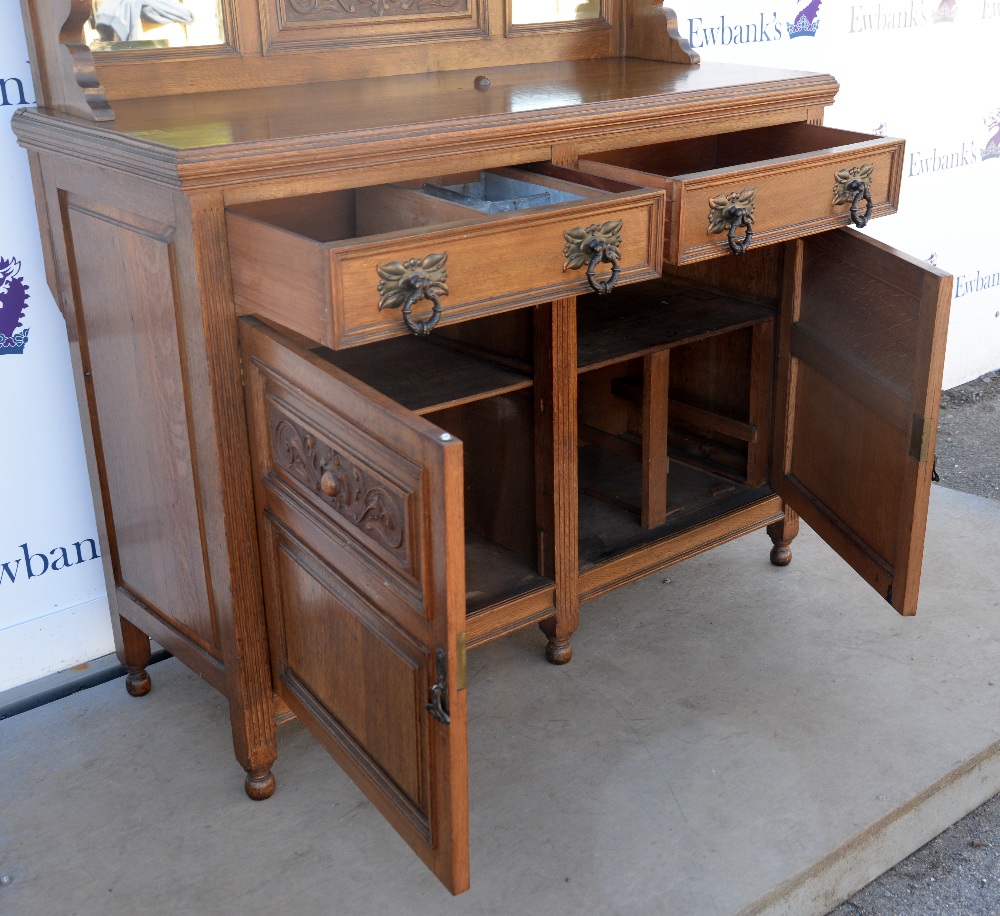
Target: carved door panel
{"x": 862, "y": 351}
{"x": 359, "y": 507}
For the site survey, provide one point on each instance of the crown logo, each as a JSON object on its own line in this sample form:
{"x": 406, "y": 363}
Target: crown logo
{"x": 13, "y": 299}
{"x": 992, "y": 148}
{"x": 807, "y": 21}
{"x": 946, "y": 12}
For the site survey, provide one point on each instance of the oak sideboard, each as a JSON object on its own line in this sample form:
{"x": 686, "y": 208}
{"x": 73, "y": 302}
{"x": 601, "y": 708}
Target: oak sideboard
{"x": 398, "y": 326}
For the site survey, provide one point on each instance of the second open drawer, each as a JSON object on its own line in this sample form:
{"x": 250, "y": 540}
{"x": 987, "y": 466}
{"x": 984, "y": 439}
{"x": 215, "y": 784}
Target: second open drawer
{"x": 354, "y": 266}
{"x": 757, "y": 187}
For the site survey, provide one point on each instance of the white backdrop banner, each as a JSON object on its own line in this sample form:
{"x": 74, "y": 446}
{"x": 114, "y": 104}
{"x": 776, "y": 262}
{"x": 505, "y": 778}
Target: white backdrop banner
{"x": 53, "y": 604}
{"x": 918, "y": 69}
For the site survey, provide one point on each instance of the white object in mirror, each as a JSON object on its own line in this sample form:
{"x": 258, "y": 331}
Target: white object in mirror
{"x": 529, "y": 12}
{"x": 120, "y": 25}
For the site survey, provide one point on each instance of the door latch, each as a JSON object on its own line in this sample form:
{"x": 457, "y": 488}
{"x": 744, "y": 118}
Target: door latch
{"x": 439, "y": 692}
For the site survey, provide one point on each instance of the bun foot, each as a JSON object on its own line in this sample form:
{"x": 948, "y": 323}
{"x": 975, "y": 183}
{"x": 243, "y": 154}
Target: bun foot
{"x": 559, "y": 651}
{"x": 138, "y": 683}
{"x": 260, "y": 787}
{"x": 781, "y": 556}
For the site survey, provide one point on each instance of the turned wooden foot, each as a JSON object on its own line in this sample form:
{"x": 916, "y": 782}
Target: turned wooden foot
{"x": 260, "y": 786}
{"x": 137, "y": 682}
{"x": 782, "y": 533}
{"x": 559, "y": 651}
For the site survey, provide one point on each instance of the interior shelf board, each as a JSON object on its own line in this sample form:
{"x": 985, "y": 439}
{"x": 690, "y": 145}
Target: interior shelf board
{"x": 646, "y": 317}
{"x": 424, "y": 377}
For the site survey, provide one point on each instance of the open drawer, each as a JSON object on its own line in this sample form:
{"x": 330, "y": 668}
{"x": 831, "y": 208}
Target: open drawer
{"x": 756, "y": 187}
{"x": 354, "y": 266}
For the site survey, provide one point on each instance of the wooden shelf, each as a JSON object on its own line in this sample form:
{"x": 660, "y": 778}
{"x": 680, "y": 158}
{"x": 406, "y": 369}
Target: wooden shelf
{"x": 424, "y": 377}
{"x": 655, "y": 315}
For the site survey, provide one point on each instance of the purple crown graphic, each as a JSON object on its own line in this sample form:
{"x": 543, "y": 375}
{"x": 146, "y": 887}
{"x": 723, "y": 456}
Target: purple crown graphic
{"x": 992, "y": 148}
{"x": 807, "y": 21}
{"x": 13, "y": 299}
{"x": 946, "y": 12}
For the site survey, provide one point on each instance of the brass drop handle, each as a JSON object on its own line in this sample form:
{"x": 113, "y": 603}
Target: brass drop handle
{"x": 851, "y": 186}
{"x": 860, "y": 190}
{"x": 592, "y": 246}
{"x": 403, "y": 285}
{"x": 422, "y": 288}
{"x": 727, "y": 212}
{"x": 737, "y": 218}
{"x": 609, "y": 255}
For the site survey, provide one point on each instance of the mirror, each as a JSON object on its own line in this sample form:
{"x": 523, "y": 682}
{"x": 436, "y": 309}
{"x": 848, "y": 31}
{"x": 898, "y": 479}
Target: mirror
{"x": 530, "y": 12}
{"x": 118, "y": 25}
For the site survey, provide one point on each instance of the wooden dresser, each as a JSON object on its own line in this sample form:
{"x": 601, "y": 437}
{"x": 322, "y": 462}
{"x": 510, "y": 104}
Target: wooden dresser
{"x": 399, "y": 326}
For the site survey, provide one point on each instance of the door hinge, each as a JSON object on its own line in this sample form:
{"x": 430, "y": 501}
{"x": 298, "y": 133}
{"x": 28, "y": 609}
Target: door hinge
{"x": 920, "y": 438}
{"x": 439, "y": 692}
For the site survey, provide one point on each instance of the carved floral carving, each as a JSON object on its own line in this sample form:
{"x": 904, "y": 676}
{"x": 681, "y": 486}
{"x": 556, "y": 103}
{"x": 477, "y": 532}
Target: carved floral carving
{"x": 724, "y": 209}
{"x": 343, "y": 485}
{"x": 582, "y": 244}
{"x": 370, "y": 9}
{"x": 847, "y": 182}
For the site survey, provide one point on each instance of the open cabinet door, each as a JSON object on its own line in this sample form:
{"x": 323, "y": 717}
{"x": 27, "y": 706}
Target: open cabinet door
{"x": 859, "y": 380}
{"x": 360, "y": 523}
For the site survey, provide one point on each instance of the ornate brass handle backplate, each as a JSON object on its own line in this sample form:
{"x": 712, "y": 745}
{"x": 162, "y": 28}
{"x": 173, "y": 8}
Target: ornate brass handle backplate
{"x": 852, "y": 186}
{"x": 727, "y": 212}
{"x": 591, "y": 246}
{"x": 407, "y": 283}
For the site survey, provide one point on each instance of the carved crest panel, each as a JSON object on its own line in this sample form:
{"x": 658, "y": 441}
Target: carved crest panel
{"x": 358, "y": 495}
{"x": 334, "y": 10}
{"x": 317, "y": 24}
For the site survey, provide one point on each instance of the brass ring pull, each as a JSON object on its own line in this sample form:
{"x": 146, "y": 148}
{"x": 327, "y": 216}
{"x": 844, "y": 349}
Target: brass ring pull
{"x": 851, "y": 186}
{"x": 727, "y": 212}
{"x": 591, "y": 246}
{"x": 739, "y": 218}
{"x": 422, "y": 289}
{"x": 861, "y": 191}
{"x": 609, "y": 255}
{"x": 407, "y": 283}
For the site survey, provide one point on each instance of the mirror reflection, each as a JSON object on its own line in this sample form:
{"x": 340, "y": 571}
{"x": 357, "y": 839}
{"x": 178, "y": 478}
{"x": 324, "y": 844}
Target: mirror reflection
{"x": 125, "y": 24}
{"x": 528, "y": 12}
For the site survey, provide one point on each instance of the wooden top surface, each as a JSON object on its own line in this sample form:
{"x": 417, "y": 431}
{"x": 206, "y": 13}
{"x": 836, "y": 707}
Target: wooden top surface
{"x": 225, "y": 138}
{"x": 389, "y": 103}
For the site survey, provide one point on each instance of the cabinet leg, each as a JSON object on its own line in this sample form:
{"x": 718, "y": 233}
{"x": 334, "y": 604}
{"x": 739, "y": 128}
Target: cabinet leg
{"x": 782, "y": 533}
{"x": 558, "y": 651}
{"x": 132, "y": 648}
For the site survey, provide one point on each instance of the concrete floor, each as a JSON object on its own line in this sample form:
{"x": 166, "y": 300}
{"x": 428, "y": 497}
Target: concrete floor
{"x": 730, "y": 738}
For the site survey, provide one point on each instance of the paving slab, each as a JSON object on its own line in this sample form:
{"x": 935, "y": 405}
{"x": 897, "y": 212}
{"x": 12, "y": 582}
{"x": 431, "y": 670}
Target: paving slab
{"x": 730, "y": 738}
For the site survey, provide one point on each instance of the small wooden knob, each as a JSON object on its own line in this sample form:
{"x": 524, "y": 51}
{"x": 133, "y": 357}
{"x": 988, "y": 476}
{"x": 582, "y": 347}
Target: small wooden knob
{"x": 329, "y": 485}
{"x": 481, "y": 82}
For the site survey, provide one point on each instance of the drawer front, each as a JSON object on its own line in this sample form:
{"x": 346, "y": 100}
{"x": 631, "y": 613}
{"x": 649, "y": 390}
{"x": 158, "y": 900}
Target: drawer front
{"x": 362, "y": 290}
{"x": 724, "y": 210}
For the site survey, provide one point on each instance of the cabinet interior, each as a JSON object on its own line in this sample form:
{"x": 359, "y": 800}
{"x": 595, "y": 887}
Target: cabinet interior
{"x": 711, "y": 406}
{"x": 356, "y": 213}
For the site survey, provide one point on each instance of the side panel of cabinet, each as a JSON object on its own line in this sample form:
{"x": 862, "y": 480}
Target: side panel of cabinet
{"x": 123, "y": 267}
{"x": 861, "y": 355}
{"x": 360, "y": 522}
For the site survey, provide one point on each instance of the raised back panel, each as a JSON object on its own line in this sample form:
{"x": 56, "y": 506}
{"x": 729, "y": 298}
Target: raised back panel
{"x": 294, "y": 42}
